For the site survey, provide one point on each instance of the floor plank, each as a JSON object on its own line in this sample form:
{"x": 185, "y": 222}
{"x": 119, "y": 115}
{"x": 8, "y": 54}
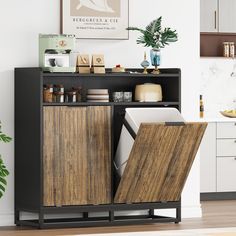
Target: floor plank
{"x": 216, "y": 214}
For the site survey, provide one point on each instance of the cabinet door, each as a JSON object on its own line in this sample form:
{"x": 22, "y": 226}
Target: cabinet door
{"x": 227, "y": 16}
{"x": 226, "y": 174}
{"x": 72, "y": 176}
{"x": 208, "y": 160}
{"x": 209, "y": 15}
{"x": 159, "y": 162}
{"x": 99, "y": 154}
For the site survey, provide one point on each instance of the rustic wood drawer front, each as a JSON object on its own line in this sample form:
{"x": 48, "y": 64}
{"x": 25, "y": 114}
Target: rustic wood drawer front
{"x": 226, "y": 147}
{"x": 159, "y": 162}
{"x": 76, "y": 156}
{"x": 226, "y": 130}
{"x": 226, "y": 174}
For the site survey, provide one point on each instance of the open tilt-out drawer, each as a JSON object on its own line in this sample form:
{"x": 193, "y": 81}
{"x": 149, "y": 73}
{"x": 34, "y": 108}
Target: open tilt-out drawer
{"x": 160, "y": 158}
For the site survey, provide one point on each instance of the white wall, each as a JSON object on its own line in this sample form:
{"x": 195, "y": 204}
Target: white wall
{"x": 20, "y": 23}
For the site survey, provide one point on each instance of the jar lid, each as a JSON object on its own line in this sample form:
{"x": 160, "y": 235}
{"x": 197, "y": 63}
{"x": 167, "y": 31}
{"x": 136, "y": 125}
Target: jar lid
{"x": 49, "y": 85}
{"x": 59, "y": 86}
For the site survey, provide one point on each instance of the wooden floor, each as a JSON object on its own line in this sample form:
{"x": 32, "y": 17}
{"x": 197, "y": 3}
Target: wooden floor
{"x": 217, "y": 214}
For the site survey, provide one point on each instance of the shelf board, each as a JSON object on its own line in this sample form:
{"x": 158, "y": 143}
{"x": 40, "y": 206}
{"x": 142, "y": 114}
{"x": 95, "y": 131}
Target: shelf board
{"x": 164, "y": 73}
{"x": 113, "y": 104}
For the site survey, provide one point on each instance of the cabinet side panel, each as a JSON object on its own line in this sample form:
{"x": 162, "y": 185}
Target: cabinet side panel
{"x": 73, "y": 159}
{"x": 99, "y": 154}
{"x": 208, "y": 160}
{"x": 28, "y": 98}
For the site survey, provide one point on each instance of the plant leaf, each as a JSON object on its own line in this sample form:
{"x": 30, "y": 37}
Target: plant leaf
{"x": 154, "y": 26}
{"x": 2, "y": 188}
{"x": 4, "y": 138}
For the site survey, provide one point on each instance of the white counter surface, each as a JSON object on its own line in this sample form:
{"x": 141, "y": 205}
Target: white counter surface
{"x": 219, "y": 118}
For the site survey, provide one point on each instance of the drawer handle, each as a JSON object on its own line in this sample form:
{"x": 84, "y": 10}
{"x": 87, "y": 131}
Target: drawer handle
{"x": 235, "y": 124}
{"x": 235, "y": 158}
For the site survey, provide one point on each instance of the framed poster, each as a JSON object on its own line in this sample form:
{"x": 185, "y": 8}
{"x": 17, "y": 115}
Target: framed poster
{"x": 95, "y": 19}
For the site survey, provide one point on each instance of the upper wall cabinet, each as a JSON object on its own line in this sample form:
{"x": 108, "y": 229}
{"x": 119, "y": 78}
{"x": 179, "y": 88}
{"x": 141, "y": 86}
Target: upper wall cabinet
{"x": 218, "y": 16}
{"x": 227, "y": 16}
{"x": 209, "y": 15}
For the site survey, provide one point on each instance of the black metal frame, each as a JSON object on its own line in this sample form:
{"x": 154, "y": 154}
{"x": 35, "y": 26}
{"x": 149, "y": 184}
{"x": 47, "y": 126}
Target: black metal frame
{"x": 29, "y": 145}
{"x": 112, "y": 219}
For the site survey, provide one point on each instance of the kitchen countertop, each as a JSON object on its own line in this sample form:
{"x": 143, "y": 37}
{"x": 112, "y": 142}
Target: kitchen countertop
{"x": 216, "y": 118}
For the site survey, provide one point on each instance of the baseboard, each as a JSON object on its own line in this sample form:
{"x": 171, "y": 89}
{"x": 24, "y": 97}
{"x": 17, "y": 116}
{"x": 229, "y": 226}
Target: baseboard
{"x": 186, "y": 212}
{"x": 7, "y": 219}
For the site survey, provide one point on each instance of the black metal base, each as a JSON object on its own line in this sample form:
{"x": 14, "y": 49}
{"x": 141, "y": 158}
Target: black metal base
{"x": 86, "y": 221}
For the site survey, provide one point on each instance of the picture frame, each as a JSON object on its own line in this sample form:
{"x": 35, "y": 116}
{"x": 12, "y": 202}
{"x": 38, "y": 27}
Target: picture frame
{"x": 95, "y": 19}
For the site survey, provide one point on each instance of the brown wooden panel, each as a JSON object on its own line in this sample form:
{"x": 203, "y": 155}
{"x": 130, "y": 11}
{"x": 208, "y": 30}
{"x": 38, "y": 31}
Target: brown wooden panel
{"x": 73, "y": 159}
{"x": 50, "y": 151}
{"x": 77, "y": 155}
{"x": 159, "y": 162}
{"x": 99, "y": 154}
{"x": 211, "y": 44}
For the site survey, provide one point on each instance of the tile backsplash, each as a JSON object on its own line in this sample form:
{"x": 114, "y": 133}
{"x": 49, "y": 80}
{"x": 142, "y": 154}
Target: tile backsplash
{"x": 218, "y": 85}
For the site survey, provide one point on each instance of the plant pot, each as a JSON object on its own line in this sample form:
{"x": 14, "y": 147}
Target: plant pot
{"x": 155, "y": 55}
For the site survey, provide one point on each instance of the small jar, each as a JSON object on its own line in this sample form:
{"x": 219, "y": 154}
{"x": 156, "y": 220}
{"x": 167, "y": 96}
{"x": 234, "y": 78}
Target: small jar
{"x": 48, "y": 93}
{"x": 232, "y": 49}
{"x": 71, "y": 96}
{"x": 226, "y": 49}
{"x": 59, "y": 97}
{"x": 59, "y": 88}
{"x": 78, "y": 91}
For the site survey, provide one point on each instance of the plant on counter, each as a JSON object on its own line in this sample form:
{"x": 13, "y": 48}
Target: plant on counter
{"x": 3, "y": 170}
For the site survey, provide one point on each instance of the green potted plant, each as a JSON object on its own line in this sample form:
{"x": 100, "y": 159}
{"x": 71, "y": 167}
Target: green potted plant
{"x": 3, "y": 170}
{"x": 156, "y": 37}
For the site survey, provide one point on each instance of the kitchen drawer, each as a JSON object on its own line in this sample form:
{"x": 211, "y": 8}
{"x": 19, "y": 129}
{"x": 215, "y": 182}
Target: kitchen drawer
{"x": 226, "y": 147}
{"x": 226, "y": 130}
{"x": 226, "y": 174}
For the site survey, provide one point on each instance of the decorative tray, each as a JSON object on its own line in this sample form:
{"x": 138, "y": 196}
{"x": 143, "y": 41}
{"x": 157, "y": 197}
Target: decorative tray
{"x": 229, "y": 113}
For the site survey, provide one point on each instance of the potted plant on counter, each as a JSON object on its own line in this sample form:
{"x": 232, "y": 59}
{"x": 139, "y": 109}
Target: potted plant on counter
{"x": 155, "y": 37}
{"x": 3, "y": 170}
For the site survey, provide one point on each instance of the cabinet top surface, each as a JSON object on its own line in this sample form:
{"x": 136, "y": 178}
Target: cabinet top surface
{"x": 131, "y": 72}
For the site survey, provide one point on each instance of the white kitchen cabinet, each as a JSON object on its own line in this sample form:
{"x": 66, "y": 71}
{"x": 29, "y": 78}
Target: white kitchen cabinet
{"x": 227, "y": 16}
{"x": 226, "y": 130}
{"x": 208, "y": 160}
{"x": 226, "y": 174}
{"x": 209, "y": 15}
{"x": 218, "y": 158}
{"x": 226, "y": 147}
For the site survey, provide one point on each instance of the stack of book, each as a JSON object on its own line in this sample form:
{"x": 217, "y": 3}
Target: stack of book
{"x": 97, "y": 95}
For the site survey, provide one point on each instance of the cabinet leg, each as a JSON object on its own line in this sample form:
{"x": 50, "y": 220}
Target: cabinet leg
{"x": 17, "y": 217}
{"x": 151, "y": 213}
{"x": 41, "y": 220}
{"x": 111, "y": 216}
{"x": 85, "y": 215}
{"x": 178, "y": 215}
